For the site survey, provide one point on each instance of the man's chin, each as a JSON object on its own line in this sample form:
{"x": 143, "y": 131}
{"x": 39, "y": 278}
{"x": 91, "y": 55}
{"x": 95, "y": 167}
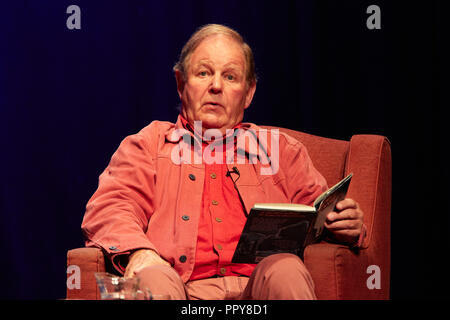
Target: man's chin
{"x": 208, "y": 123}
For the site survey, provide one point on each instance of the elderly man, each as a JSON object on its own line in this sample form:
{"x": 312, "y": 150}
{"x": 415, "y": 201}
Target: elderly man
{"x": 174, "y": 222}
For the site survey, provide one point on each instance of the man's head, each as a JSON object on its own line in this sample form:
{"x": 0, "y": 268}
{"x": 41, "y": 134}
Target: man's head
{"x": 215, "y": 77}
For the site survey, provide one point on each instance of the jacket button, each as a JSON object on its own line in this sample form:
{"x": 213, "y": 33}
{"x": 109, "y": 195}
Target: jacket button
{"x": 191, "y": 176}
{"x": 185, "y": 217}
{"x": 113, "y": 248}
{"x": 183, "y": 258}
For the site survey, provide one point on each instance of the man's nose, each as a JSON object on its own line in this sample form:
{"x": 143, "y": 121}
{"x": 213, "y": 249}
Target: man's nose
{"x": 216, "y": 84}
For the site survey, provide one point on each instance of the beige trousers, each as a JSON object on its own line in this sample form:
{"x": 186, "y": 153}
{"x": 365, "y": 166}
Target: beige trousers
{"x": 277, "y": 277}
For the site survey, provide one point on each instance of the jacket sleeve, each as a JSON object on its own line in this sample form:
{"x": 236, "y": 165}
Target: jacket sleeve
{"x": 304, "y": 182}
{"x": 118, "y": 213}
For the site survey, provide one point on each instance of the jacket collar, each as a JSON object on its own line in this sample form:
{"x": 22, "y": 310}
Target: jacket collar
{"x": 251, "y": 131}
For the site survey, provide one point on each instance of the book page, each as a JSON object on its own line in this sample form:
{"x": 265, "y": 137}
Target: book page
{"x": 331, "y": 190}
{"x": 285, "y": 207}
{"x": 329, "y": 201}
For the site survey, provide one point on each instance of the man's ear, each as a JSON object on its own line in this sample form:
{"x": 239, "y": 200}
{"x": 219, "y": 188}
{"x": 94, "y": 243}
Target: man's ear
{"x": 180, "y": 82}
{"x": 250, "y": 93}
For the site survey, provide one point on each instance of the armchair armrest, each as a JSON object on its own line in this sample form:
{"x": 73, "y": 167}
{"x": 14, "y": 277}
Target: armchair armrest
{"x": 340, "y": 273}
{"x": 86, "y": 262}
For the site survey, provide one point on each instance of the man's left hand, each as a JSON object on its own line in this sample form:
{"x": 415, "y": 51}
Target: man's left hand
{"x": 346, "y": 222}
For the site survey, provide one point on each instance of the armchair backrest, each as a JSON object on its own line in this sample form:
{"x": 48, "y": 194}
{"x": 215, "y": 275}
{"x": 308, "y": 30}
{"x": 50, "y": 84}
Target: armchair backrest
{"x": 328, "y": 155}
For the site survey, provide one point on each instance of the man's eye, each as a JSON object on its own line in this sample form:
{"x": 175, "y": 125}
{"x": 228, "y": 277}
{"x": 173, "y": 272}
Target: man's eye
{"x": 230, "y": 77}
{"x": 202, "y": 73}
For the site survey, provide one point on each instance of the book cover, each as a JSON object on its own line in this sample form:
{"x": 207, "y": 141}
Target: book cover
{"x": 286, "y": 227}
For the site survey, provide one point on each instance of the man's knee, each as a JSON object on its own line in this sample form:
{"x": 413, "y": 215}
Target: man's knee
{"x": 162, "y": 280}
{"x": 283, "y": 262}
{"x": 283, "y": 267}
{"x": 285, "y": 276}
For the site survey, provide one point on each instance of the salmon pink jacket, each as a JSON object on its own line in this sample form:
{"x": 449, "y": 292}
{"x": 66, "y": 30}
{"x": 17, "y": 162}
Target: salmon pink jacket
{"x": 150, "y": 194}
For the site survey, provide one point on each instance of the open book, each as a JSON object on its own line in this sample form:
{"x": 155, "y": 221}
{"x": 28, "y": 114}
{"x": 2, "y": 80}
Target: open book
{"x": 286, "y": 227}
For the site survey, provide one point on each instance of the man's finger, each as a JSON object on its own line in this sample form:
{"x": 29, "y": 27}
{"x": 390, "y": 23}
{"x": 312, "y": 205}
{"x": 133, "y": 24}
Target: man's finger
{"x": 343, "y": 224}
{"x": 128, "y": 273}
{"x": 347, "y": 203}
{"x": 349, "y": 214}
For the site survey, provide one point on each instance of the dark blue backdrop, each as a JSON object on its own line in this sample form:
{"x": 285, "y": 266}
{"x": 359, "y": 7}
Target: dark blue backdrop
{"x": 68, "y": 97}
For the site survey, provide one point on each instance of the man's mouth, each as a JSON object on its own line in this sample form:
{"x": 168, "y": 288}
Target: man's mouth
{"x": 212, "y": 103}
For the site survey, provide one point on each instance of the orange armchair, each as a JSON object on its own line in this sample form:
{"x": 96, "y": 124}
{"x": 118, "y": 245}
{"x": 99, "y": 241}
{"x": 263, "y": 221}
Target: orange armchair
{"x": 338, "y": 271}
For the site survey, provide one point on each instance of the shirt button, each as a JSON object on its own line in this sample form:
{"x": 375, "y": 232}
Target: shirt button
{"x": 218, "y": 220}
{"x": 215, "y": 202}
{"x": 192, "y": 177}
{"x": 113, "y": 248}
{"x": 183, "y": 258}
{"x": 213, "y": 175}
{"x": 223, "y": 270}
{"x": 185, "y": 217}
{"x": 219, "y": 246}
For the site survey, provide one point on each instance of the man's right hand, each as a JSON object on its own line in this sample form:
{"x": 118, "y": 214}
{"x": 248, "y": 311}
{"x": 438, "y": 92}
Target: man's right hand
{"x": 141, "y": 259}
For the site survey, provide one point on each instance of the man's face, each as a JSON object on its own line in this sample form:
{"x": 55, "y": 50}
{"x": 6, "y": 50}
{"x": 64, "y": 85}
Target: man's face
{"x": 215, "y": 90}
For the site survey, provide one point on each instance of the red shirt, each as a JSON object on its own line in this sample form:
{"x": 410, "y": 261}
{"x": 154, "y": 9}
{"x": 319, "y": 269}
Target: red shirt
{"x": 222, "y": 219}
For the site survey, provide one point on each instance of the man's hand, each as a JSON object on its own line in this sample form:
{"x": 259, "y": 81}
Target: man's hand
{"x": 141, "y": 259}
{"x": 346, "y": 222}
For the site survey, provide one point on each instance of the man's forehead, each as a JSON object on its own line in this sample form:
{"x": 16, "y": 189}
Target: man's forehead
{"x": 219, "y": 47}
